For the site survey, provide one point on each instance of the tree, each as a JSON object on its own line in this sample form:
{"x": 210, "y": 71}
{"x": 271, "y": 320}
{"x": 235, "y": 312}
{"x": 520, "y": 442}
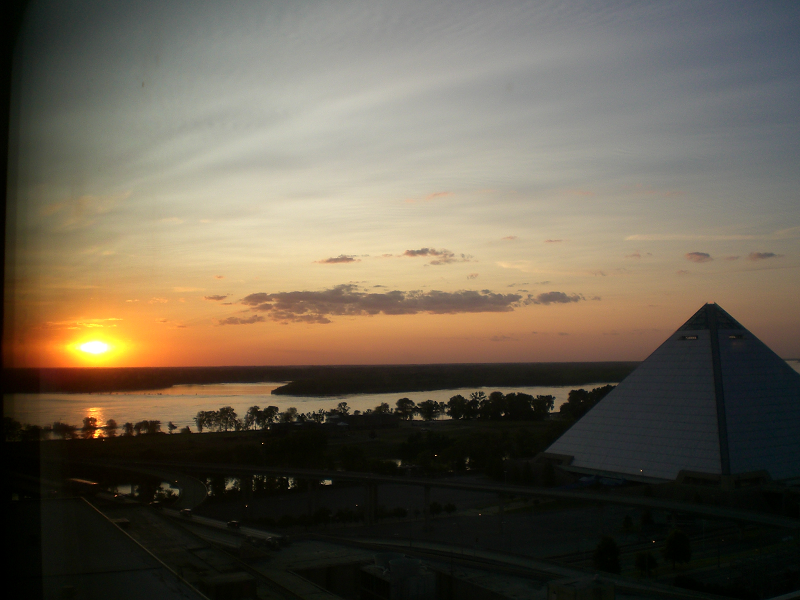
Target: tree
{"x": 383, "y": 409}
{"x": 494, "y": 407}
{"x": 200, "y": 420}
{"x": 12, "y": 429}
{"x": 343, "y": 409}
{"x": 289, "y": 415}
{"x": 646, "y": 563}
{"x": 457, "y": 407}
{"x": 89, "y": 427}
{"x": 128, "y": 429}
{"x": 606, "y": 555}
{"x": 518, "y": 407}
{"x": 111, "y": 428}
{"x": 251, "y": 418}
{"x": 406, "y": 409}
{"x": 171, "y": 426}
{"x": 542, "y": 405}
{"x": 428, "y": 410}
{"x": 227, "y": 418}
{"x": 63, "y": 430}
{"x": 474, "y": 405}
{"x": 677, "y": 547}
{"x": 268, "y": 416}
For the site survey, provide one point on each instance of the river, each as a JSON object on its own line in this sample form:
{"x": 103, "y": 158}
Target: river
{"x": 181, "y": 403}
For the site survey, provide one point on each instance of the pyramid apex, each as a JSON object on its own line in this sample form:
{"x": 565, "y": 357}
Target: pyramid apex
{"x": 710, "y": 316}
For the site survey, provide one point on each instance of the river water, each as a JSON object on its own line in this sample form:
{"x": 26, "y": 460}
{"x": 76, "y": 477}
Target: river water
{"x": 181, "y": 403}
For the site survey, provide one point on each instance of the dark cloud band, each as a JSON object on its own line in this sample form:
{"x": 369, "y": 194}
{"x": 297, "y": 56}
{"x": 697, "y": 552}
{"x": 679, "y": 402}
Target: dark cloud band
{"x": 350, "y": 300}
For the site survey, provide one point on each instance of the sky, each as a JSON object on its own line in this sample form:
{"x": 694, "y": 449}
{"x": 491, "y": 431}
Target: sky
{"x": 254, "y": 183}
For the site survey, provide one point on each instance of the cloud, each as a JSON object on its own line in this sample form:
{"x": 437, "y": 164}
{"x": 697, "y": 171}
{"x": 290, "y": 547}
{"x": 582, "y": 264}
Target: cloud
{"x": 699, "y": 257}
{"x": 219, "y": 276}
{"x": 781, "y": 234}
{"x": 675, "y": 237}
{"x": 350, "y": 300}
{"x": 82, "y": 211}
{"x": 441, "y": 257}
{"x": 731, "y": 258}
{"x": 429, "y": 197}
{"x": 215, "y": 297}
{"x": 762, "y": 255}
{"x": 553, "y": 241}
{"x": 503, "y": 338}
{"x": 158, "y": 301}
{"x": 237, "y": 321}
{"x": 83, "y": 323}
{"x": 335, "y": 260}
{"x": 435, "y": 195}
{"x": 648, "y": 191}
{"x": 509, "y": 237}
{"x": 472, "y": 276}
{"x": 634, "y": 255}
{"x": 554, "y": 298}
{"x": 578, "y": 193}
{"x": 682, "y": 272}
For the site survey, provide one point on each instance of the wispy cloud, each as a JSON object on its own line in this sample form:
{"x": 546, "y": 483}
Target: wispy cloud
{"x": 82, "y": 211}
{"x": 472, "y": 276}
{"x": 350, "y": 300}
{"x": 554, "y": 298}
{"x": 219, "y": 276}
{"x": 781, "y": 234}
{"x": 336, "y": 260}
{"x": 440, "y": 257}
{"x": 158, "y": 301}
{"x": 82, "y": 324}
{"x": 698, "y": 257}
{"x": 674, "y": 237}
{"x": 238, "y": 321}
{"x": 503, "y": 338}
{"x": 429, "y": 197}
{"x": 215, "y": 297}
{"x": 553, "y": 241}
{"x": 508, "y": 238}
{"x": 763, "y": 255}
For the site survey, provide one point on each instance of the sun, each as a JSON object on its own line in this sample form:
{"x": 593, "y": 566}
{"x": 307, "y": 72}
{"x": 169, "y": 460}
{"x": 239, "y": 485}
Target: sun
{"x": 95, "y": 347}
{"x": 95, "y": 351}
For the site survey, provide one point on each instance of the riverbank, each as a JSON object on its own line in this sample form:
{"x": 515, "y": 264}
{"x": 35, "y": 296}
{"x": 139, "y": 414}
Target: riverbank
{"x": 330, "y": 380}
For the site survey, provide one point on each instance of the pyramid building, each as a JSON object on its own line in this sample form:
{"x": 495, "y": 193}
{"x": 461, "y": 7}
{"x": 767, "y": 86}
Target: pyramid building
{"x": 712, "y": 400}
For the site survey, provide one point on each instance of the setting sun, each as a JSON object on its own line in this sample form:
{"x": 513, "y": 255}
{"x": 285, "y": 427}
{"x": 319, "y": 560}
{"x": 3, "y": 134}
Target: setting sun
{"x": 94, "y": 347}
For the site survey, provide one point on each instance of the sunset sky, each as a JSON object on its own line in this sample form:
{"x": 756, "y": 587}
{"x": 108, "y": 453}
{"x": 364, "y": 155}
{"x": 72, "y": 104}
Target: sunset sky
{"x": 233, "y": 183}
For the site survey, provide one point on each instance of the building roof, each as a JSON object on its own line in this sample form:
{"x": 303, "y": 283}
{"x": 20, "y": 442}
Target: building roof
{"x": 712, "y": 399}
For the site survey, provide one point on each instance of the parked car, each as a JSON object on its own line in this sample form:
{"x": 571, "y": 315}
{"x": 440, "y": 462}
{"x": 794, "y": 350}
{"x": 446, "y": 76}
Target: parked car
{"x": 234, "y": 525}
{"x": 186, "y": 512}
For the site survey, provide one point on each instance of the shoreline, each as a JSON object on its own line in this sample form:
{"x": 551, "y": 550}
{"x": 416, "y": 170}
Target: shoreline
{"x": 317, "y": 381}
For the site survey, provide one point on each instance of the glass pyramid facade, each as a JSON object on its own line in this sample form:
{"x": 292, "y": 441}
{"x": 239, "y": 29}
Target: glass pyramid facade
{"x": 711, "y": 399}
